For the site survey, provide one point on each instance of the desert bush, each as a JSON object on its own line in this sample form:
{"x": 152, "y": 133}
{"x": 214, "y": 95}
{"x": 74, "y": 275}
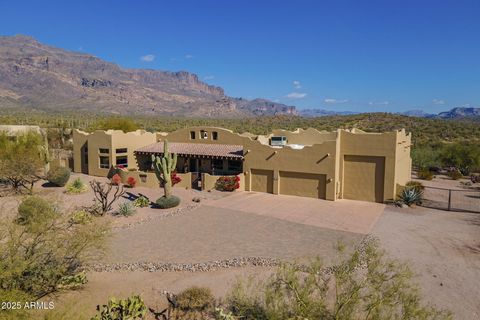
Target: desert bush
{"x": 35, "y": 257}
{"x": 425, "y": 174}
{"x": 22, "y": 160}
{"x": 141, "y": 202}
{"x": 106, "y": 194}
{"x": 131, "y": 182}
{"x": 35, "y": 212}
{"x": 454, "y": 174}
{"x": 227, "y": 183}
{"x": 475, "y": 178}
{"x": 58, "y": 176}
{"x": 364, "y": 285}
{"x": 76, "y": 187}
{"x": 415, "y": 185}
{"x": 195, "y": 299}
{"x": 167, "y": 202}
{"x": 116, "y": 179}
{"x": 411, "y": 196}
{"x": 463, "y": 156}
{"x": 131, "y": 308}
{"x": 124, "y": 124}
{"x": 126, "y": 209}
{"x": 75, "y": 281}
{"x": 81, "y": 217}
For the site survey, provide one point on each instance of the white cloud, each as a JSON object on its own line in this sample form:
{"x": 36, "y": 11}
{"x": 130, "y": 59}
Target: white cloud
{"x": 209, "y": 77}
{"x": 379, "y": 103}
{"x": 296, "y": 95}
{"x": 188, "y": 56}
{"x": 297, "y": 84}
{"x": 438, "y": 101}
{"x": 335, "y": 101}
{"x": 148, "y": 58}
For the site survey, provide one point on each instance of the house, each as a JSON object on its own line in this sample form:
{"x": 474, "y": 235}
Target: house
{"x": 348, "y": 164}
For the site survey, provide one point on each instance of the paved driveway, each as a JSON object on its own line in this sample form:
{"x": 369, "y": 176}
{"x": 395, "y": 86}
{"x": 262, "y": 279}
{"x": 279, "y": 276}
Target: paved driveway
{"x": 343, "y": 215}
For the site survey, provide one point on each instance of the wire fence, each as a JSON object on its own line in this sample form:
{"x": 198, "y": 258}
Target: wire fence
{"x": 452, "y": 199}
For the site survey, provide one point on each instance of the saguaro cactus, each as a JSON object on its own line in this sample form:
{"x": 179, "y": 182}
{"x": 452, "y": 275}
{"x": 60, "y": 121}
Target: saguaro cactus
{"x": 164, "y": 166}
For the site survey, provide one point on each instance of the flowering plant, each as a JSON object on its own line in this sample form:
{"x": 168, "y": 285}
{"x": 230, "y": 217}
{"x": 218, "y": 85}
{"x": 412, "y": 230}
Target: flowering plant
{"x": 131, "y": 182}
{"x": 175, "y": 178}
{"x": 230, "y": 183}
{"x": 116, "y": 179}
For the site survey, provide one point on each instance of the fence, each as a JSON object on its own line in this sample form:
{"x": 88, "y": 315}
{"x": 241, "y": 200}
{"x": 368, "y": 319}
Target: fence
{"x": 452, "y": 199}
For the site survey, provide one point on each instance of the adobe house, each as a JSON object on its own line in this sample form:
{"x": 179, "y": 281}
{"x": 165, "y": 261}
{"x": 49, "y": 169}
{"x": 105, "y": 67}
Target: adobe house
{"x": 349, "y": 164}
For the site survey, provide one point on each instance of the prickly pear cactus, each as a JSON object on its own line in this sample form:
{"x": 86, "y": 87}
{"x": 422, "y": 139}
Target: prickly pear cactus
{"x": 164, "y": 166}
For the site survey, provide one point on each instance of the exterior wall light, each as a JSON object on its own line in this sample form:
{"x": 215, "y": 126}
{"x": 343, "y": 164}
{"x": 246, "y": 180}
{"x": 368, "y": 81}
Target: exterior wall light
{"x": 329, "y": 180}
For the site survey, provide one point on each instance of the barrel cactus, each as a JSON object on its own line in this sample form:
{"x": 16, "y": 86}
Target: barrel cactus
{"x": 164, "y": 166}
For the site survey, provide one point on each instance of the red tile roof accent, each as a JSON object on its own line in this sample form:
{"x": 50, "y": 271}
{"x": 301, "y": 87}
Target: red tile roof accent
{"x": 196, "y": 149}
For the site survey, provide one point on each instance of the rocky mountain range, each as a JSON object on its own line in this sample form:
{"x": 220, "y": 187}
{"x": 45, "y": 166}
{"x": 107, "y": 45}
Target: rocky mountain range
{"x": 41, "y": 77}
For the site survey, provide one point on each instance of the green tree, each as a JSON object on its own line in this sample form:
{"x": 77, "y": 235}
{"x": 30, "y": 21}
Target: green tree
{"x": 22, "y": 160}
{"x": 462, "y": 156}
{"x": 124, "y": 124}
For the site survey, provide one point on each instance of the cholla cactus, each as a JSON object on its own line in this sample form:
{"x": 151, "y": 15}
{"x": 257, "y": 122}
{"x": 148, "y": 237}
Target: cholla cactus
{"x": 164, "y": 166}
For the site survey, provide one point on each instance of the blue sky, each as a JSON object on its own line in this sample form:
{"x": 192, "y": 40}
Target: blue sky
{"x": 372, "y": 55}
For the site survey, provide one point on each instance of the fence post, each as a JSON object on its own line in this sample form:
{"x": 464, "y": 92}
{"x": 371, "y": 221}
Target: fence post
{"x": 449, "y": 199}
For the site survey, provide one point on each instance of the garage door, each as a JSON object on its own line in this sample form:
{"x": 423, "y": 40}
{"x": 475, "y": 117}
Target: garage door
{"x": 363, "y": 178}
{"x": 303, "y": 184}
{"x": 261, "y": 180}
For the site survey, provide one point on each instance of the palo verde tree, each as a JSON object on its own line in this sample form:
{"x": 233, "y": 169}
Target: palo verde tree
{"x": 164, "y": 167}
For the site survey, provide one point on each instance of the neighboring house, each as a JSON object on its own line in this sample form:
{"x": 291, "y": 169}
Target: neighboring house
{"x": 349, "y": 164}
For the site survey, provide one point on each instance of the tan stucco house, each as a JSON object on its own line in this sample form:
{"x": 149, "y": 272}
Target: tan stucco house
{"x": 349, "y": 164}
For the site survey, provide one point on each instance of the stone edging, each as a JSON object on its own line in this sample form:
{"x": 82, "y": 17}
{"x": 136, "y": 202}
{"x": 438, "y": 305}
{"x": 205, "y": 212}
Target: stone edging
{"x": 188, "y": 267}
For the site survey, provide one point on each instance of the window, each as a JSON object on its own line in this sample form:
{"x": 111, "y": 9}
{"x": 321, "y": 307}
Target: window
{"x": 104, "y": 162}
{"x": 192, "y": 135}
{"x": 104, "y": 150}
{"x": 215, "y": 135}
{"x": 234, "y": 165}
{"x": 122, "y": 161}
{"x": 121, "y": 150}
{"x": 203, "y": 134}
{"x": 217, "y": 164}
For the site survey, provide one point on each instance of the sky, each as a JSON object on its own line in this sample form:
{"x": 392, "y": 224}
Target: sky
{"x": 343, "y": 55}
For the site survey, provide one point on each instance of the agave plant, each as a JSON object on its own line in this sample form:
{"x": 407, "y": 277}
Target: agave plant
{"x": 411, "y": 195}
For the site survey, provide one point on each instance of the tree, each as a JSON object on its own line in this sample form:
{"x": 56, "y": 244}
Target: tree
{"x": 124, "y": 124}
{"x": 462, "y": 156}
{"x": 104, "y": 195}
{"x": 22, "y": 160}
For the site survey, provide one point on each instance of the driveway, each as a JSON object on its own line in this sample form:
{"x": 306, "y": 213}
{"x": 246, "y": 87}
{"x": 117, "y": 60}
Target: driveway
{"x": 344, "y": 215}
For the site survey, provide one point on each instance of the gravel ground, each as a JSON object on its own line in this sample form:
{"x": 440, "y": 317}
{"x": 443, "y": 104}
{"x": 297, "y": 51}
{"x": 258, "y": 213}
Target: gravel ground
{"x": 443, "y": 249}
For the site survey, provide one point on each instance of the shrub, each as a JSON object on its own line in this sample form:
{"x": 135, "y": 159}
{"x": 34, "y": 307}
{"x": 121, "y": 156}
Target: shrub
{"x": 411, "y": 195}
{"x": 141, "y": 202}
{"x": 131, "y": 308}
{"x": 76, "y": 186}
{"x": 415, "y": 185}
{"x": 175, "y": 178}
{"x": 126, "y": 209}
{"x": 425, "y": 174}
{"x": 106, "y": 194}
{"x": 228, "y": 183}
{"x": 365, "y": 285}
{"x": 81, "y": 217}
{"x": 116, "y": 179}
{"x": 35, "y": 212}
{"x": 475, "y": 178}
{"x": 167, "y": 202}
{"x": 58, "y": 176}
{"x": 131, "y": 182}
{"x": 75, "y": 281}
{"x": 454, "y": 174}
{"x": 195, "y": 299}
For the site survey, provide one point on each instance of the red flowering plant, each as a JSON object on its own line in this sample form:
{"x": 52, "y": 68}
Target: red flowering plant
{"x": 131, "y": 182}
{"x": 175, "y": 178}
{"x": 230, "y": 183}
{"x": 116, "y": 179}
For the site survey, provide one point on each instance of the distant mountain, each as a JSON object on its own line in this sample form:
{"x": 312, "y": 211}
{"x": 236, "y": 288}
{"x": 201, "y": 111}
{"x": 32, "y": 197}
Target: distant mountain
{"x": 41, "y": 77}
{"x": 322, "y": 113}
{"x": 417, "y": 113}
{"x": 459, "y": 113}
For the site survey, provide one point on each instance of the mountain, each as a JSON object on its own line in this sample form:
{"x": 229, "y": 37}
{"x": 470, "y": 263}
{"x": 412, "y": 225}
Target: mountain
{"x": 459, "y": 113}
{"x": 309, "y": 113}
{"x": 417, "y": 113}
{"x": 40, "y": 77}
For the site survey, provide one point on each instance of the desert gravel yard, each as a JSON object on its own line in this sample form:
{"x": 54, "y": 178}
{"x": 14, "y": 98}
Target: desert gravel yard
{"x": 211, "y": 233}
